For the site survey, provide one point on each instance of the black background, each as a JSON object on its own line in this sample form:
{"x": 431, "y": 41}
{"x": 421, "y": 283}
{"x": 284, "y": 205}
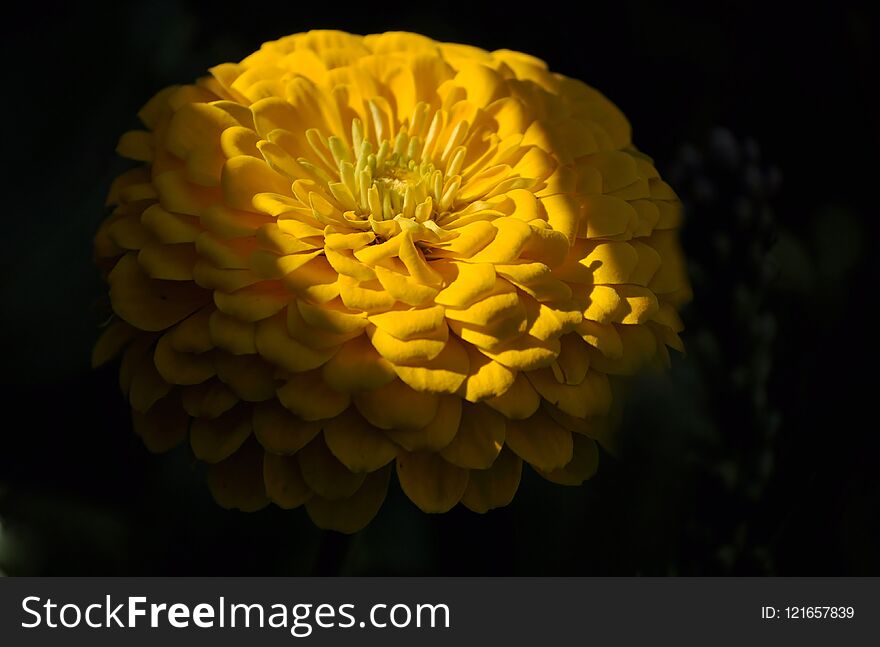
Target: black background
{"x": 757, "y": 455}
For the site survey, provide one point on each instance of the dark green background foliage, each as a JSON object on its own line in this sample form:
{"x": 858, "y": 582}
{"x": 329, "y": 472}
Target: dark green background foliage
{"x": 758, "y": 454}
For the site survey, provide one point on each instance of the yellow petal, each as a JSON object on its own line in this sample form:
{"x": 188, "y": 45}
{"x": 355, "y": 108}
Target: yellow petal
{"x": 176, "y": 193}
{"x": 142, "y": 347}
{"x": 510, "y": 114}
{"x": 479, "y": 439}
{"x": 592, "y": 397}
{"x": 412, "y": 351}
{"x": 237, "y": 482}
{"x": 507, "y": 243}
{"x": 536, "y": 280}
{"x": 397, "y": 406}
{"x": 245, "y": 176}
{"x": 366, "y": 296}
{"x": 214, "y": 440}
{"x": 638, "y": 348}
{"x": 348, "y": 265}
{"x": 150, "y": 304}
{"x": 628, "y": 304}
{"x": 591, "y": 427}
{"x": 230, "y": 334}
{"x": 253, "y": 303}
{"x": 279, "y": 431}
{"x": 182, "y": 368}
{"x": 224, "y": 222}
{"x": 157, "y": 107}
{"x": 316, "y": 281}
{"x": 499, "y": 333}
{"x": 445, "y": 373}
{"x": 540, "y": 441}
{"x": 284, "y": 482}
{"x": 573, "y": 361}
{"x": 208, "y": 400}
{"x": 482, "y": 84}
{"x": 353, "y": 513}
{"x": 671, "y": 277}
{"x": 525, "y": 353}
{"x": 163, "y": 427}
{"x": 170, "y": 227}
{"x": 249, "y": 376}
{"x": 357, "y": 444}
{"x": 226, "y": 253}
{"x": 519, "y": 401}
{"x": 357, "y": 366}
{"x": 471, "y": 238}
{"x": 502, "y": 301}
{"x": 607, "y": 217}
{"x": 276, "y": 345}
{"x": 111, "y": 342}
{"x": 226, "y": 281}
{"x": 486, "y": 377}
{"x": 397, "y": 287}
{"x": 602, "y": 337}
{"x": 494, "y": 487}
{"x": 136, "y": 145}
{"x": 546, "y": 245}
{"x": 437, "y": 434}
{"x": 193, "y": 125}
{"x": 307, "y": 396}
{"x": 583, "y": 465}
{"x": 147, "y": 386}
{"x": 467, "y": 284}
{"x": 191, "y": 334}
{"x": 323, "y": 472}
{"x": 275, "y": 238}
{"x": 430, "y": 482}
{"x": 612, "y": 262}
{"x": 313, "y": 336}
{"x": 563, "y": 214}
{"x": 333, "y": 317}
{"x": 409, "y": 323}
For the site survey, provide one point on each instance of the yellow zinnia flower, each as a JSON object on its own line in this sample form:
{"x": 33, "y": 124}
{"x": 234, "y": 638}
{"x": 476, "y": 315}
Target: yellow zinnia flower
{"x": 348, "y": 252}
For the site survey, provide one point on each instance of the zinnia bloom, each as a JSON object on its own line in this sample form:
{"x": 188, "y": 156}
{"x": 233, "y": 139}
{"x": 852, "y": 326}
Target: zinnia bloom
{"x": 347, "y": 255}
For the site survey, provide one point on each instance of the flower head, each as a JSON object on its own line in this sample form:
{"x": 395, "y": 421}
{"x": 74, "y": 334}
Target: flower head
{"x": 345, "y": 254}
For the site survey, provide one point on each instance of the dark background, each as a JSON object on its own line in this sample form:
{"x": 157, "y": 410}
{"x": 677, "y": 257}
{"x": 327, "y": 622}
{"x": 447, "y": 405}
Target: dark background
{"x": 757, "y": 455}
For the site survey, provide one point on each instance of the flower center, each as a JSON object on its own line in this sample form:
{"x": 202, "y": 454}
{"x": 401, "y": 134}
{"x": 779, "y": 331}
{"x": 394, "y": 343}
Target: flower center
{"x": 391, "y": 178}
